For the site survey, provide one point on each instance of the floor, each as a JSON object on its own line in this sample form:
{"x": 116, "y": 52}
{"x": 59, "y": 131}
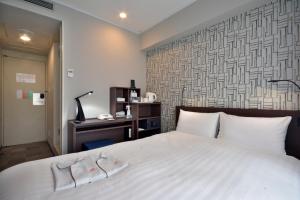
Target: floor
{"x": 13, "y": 155}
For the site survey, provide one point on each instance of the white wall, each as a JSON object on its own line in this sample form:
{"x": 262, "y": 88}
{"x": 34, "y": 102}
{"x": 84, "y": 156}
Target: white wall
{"x": 191, "y": 18}
{"x": 102, "y": 56}
{"x": 53, "y": 98}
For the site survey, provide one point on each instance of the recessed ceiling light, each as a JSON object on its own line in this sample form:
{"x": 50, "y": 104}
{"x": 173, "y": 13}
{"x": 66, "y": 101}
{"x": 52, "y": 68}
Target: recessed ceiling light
{"x": 123, "y": 15}
{"x": 25, "y": 35}
{"x": 25, "y": 38}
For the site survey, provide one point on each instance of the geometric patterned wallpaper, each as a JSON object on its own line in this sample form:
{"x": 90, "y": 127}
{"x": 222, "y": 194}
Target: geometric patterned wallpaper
{"x": 229, "y": 63}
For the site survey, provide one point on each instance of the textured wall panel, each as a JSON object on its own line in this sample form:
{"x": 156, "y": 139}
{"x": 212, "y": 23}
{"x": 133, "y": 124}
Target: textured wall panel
{"x": 228, "y": 64}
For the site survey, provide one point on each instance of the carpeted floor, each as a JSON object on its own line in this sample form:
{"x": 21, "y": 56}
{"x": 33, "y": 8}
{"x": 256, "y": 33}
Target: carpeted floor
{"x": 13, "y": 155}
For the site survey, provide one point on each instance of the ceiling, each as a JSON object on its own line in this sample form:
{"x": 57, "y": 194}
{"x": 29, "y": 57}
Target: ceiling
{"x": 142, "y": 14}
{"x": 44, "y": 30}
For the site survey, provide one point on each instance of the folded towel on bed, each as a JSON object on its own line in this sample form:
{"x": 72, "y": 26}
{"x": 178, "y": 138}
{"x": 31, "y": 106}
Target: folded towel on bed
{"x": 86, "y": 171}
{"x": 62, "y": 178}
{"x": 73, "y": 173}
{"x": 110, "y": 165}
{"x": 70, "y": 174}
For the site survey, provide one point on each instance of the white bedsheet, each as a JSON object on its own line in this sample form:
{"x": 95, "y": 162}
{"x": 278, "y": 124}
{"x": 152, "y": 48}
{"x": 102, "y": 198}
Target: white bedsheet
{"x": 171, "y": 166}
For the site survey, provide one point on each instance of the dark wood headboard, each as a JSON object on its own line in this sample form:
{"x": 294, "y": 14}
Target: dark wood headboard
{"x": 292, "y": 141}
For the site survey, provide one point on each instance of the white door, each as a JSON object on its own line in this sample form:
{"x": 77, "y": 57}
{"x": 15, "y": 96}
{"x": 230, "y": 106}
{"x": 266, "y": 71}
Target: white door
{"x": 23, "y": 122}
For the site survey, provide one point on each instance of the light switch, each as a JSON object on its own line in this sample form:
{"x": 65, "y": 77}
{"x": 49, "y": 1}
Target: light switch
{"x": 70, "y": 73}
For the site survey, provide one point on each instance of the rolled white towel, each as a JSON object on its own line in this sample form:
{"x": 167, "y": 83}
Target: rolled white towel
{"x": 110, "y": 165}
{"x": 62, "y": 178}
{"x": 86, "y": 171}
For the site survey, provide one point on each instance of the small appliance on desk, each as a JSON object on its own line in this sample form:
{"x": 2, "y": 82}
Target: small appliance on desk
{"x": 152, "y": 97}
{"x": 105, "y": 117}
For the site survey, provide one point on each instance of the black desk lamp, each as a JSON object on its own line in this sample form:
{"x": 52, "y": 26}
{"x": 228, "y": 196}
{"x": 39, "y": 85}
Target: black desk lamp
{"x": 275, "y": 81}
{"x": 80, "y": 115}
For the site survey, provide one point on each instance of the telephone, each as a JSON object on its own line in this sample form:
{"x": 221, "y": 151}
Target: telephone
{"x": 105, "y": 116}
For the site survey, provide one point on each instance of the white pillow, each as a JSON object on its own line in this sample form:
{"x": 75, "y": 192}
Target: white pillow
{"x": 264, "y": 134}
{"x": 198, "y": 123}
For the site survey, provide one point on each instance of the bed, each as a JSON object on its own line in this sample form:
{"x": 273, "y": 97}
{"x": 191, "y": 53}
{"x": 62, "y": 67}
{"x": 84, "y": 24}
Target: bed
{"x": 173, "y": 165}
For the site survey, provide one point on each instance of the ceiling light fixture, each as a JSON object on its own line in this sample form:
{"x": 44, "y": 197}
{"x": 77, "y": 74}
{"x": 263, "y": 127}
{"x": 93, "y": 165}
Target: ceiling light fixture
{"x": 25, "y": 38}
{"x": 25, "y": 35}
{"x": 123, "y": 15}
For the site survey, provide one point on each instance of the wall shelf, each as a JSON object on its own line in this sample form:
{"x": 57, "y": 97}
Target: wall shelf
{"x": 144, "y": 115}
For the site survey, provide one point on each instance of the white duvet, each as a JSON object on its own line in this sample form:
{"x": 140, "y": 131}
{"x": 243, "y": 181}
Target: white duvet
{"x": 171, "y": 166}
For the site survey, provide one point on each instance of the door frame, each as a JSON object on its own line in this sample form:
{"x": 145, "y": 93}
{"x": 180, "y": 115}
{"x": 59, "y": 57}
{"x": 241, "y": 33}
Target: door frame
{"x": 61, "y": 88}
{"x": 22, "y": 56}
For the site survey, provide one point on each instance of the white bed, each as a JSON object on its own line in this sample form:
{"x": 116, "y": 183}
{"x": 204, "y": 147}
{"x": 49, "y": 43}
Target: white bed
{"x": 172, "y": 165}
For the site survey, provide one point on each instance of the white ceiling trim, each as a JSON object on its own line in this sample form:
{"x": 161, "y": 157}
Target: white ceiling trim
{"x": 94, "y": 16}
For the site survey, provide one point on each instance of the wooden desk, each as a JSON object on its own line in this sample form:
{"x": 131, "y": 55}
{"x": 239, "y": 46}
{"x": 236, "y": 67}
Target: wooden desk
{"x": 95, "y": 129}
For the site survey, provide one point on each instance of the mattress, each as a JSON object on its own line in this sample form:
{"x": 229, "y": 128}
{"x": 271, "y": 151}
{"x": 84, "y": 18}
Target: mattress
{"x": 172, "y": 165}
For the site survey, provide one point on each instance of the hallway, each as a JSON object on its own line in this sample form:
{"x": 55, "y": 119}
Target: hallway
{"x": 13, "y": 155}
